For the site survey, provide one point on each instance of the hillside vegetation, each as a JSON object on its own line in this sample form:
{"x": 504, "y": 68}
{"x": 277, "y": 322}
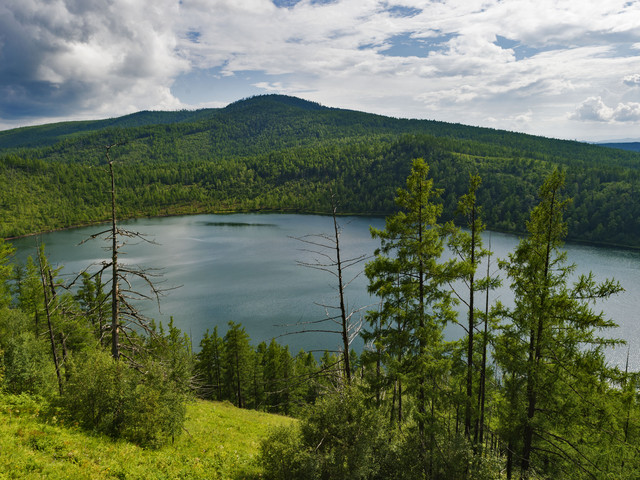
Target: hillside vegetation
{"x": 527, "y": 391}
{"x": 220, "y": 442}
{"x": 278, "y": 153}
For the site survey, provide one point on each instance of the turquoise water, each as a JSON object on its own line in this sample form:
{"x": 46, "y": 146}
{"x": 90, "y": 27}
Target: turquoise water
{"x": 243, "y": 268}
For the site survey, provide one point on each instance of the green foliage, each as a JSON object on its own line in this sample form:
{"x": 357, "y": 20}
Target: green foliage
{"x": 467, "y": 246}
{"x": 550, "y": 350}
{"x": 347, "y": 436}
{"x": 339, "y": 438}
{"x": 404, "y": 458}
{"x": 26, "y": 360}
{"x": 265, "y": 377}
{"x": 283, "y": 456}
{"x": 171, "y": 351}
{"x": 6, "y": 272}
{"x": 237, "y": 358}
{"x": 208, "y": 366}
{"x": 555, "y": 409}
{"x": 222, "y": 443}
{"x": 109, "y": 397}
{"x": 95, "y": 304}
{"x": 410, "y": 278}
{"x": 281, "y": 153}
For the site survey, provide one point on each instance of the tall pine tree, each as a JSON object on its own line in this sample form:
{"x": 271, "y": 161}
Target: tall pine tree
{"x": 549, "y": 351}
{"x": 411, "y": 278}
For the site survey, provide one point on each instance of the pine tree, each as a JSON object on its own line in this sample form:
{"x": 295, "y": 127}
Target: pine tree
{"x": 549, "y": 351}
{"x": 237, "y": 361}
{"x": 208, "y": 365}
{"x": 411, "y": 279}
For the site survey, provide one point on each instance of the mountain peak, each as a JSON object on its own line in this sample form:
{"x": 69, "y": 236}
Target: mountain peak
{"x": 275, "y": 99}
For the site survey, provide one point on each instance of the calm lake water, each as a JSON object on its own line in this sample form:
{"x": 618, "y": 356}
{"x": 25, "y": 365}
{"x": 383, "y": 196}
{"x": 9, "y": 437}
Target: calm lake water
{"x": 243, "y": 268}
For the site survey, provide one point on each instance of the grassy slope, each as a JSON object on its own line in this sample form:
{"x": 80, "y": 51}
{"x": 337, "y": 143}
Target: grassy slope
{"x": 222, "y": 442}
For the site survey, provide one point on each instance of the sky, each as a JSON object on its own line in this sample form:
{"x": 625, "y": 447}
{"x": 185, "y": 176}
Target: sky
{"x": 559, "y": 68}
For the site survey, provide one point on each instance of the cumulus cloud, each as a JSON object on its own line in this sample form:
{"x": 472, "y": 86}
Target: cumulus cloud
{"x": 632, "y": 80}
{"x": 476, "y": 58}
{"x": 73, "y": 57}
{"x": 594, "y": 109}
{"x": 338, "y": 50}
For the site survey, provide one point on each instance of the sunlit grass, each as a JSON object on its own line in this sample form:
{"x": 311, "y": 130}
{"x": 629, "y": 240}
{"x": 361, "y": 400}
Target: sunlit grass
{"x": 219, "y": 442}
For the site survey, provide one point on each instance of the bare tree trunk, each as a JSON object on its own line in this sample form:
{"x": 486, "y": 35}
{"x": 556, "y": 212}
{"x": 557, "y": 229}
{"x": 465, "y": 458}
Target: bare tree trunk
{"x": 115, "y": 297}
{"x": 47, "y": 309}
{"x": 63, "y": 342}
{"x": 343, "y": 309}
{"x": 509, "y": 459}
{"x": 393, "y": 402}
{"x": 467, "y": 414}
{"x": 328, "y": 257}
{"x": 378, "y": 376}
{"x": 399, "y": 403}
{"x": 422, "y": 399}
{"x": 483, "y": 366}
{"x": 238, "y": 382}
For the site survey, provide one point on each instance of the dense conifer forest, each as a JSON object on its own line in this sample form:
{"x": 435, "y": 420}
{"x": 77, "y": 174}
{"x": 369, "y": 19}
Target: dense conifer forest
{"x": 277, "y": 153}
{"x": 526, "y": 393}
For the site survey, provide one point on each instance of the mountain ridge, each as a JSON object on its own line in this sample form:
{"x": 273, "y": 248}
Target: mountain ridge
{"x": 54, "y": 132}
{"x": 280, "y": 153}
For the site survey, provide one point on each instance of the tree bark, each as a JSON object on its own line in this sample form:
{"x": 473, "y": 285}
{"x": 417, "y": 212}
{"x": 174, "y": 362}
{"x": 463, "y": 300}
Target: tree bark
{"x": 115, "y": 294}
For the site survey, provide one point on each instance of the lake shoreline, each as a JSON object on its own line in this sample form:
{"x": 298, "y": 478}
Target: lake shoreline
{"x": 249, "y": 275}
{"x": 569, "y": 241}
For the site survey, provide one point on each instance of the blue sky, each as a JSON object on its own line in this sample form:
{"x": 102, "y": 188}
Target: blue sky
{"x": 564, "y": 69}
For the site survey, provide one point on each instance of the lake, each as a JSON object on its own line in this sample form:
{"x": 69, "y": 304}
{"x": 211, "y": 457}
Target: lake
{"x": 243, "y": 268}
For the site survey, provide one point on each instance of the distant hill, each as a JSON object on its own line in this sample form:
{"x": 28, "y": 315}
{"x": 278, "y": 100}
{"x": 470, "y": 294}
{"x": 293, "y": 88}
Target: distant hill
{"x": 630, "y": 146}
{"x": 46, "y": 135}
{"x": 281, "y": 153}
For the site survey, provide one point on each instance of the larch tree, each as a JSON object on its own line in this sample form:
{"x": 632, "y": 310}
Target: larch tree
{"x": 410, "y": 277}
{"x": 208, "y": 365}
{"x": 468, "y": 247}
{"x": 237, "y": 362}
{"x": 549, "y": 350}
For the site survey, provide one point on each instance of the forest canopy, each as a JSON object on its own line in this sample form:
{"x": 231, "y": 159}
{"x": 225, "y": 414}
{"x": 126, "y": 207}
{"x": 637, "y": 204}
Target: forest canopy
{"x": 278, "y": 153}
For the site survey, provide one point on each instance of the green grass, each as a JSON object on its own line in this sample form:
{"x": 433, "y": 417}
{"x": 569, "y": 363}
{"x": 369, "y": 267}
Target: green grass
{"x": 219, "y": 442}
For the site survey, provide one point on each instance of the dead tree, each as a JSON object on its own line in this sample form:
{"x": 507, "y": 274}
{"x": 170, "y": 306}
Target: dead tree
{"x": 125, "y": 315}
{"x": 327, "y": 257}
{"x": 48, "y": 300}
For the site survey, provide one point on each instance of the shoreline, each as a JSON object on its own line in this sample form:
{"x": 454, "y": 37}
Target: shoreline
{"x": 571, "y": 241}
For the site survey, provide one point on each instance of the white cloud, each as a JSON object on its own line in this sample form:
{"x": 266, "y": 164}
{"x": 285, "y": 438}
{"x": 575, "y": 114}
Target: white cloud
{"x": 632, "y": 80}
{"x": 594, "y": 109}
{"x": 69, "y": 57}
{"x": 115, "y": 56}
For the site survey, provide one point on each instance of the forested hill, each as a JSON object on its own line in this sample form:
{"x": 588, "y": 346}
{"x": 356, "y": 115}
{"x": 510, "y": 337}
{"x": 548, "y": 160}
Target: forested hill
{"x": 631, "y": 146}
{"x": 279, "y": 153}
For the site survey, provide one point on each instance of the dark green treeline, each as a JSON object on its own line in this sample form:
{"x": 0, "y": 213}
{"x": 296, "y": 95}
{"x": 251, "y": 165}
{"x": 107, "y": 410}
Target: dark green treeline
{"x": 264, "y": 377}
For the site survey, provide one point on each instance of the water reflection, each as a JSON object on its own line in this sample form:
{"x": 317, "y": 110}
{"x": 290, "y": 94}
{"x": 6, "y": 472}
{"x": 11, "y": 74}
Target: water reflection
{"x": 232, "y": 272}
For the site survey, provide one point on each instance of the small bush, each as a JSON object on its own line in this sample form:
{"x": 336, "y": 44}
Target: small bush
{"x": 339, "y": 438}
{"x": 284, "y": 457}
{"x": 26, "y": 360}
{"x": 109, "y": 397}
